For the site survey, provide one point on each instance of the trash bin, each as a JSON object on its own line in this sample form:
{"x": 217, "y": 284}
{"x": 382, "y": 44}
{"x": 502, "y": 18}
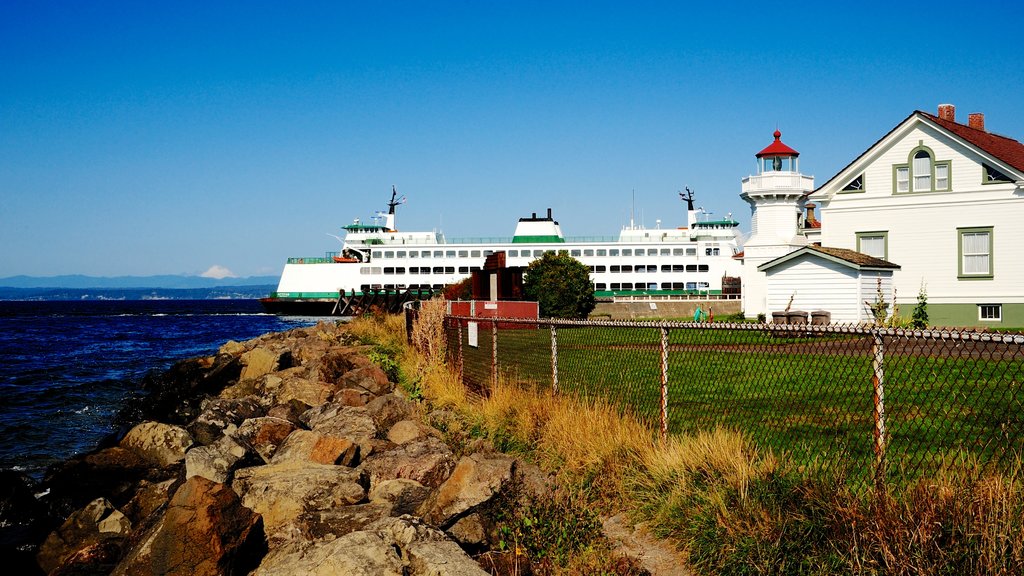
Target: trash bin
{"x": 796, "y": 317}
{"x": 820, "y": 317}
{"x": 780, "y": 318}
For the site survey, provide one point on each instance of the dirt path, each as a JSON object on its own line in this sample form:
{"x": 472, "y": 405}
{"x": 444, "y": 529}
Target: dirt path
{"x": 659, "y": 558}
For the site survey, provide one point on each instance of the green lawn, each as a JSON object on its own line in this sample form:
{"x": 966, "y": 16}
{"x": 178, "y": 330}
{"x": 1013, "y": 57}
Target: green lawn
{"x": 808, "y": 396}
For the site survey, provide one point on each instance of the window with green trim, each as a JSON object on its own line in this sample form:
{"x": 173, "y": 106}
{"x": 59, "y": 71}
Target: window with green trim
{"x": 992, "y": 175}
{"x": 921, "y": 173}
{"x": 873, "y": 244}
{"x": 975, "y": 253}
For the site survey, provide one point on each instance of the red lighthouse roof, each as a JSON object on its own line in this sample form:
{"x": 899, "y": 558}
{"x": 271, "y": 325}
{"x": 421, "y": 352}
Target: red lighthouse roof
{"x": 777, "y": 148}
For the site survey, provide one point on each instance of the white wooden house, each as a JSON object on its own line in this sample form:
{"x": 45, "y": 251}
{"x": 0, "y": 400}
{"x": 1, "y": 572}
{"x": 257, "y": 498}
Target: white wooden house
{"x": 945, "y": 201}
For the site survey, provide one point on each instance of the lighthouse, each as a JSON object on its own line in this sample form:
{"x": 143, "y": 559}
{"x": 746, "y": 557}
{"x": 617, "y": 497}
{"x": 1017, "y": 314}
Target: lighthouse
{"x": 776, "y": 194}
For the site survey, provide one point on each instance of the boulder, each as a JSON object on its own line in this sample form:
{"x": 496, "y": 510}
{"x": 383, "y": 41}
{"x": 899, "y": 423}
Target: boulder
{"x": 326, "y": 525}
{"x": 216, "y": 462}
{"x": 290, "y": 410}
{"x": 339, "y": 361}
{"x": 260, "y": 361}
{"x": 389, "y": 409}
{"x": 160, "y": 444}
{"x": 75, "y": 542}
{"x": 114, "y": 473}
{"x": 370, "y": 378}
{"x": 357, "y": 554}
{"x": 351, "y": 397}
{"x": 204, "y": 531}
{"x": 280, "y": 493}
{"x": 231, "y": 347}
{"x": 469, "y": 531}
{"x": 402, "y": 495}
{"x": 149, "y": 498}
{"x": 309, "y": 446}
{"x": 223, "y": 416}
{"x": 387, "y": 547}
{"x": 351, "y": 422}
{"x": 425, "y": 550}
{"x": 476, "y": 479}
{"x": 428, "y": 461}
{"x": 264, "y": 435}
{"x": 408, "y": 430}
{"x": 305, "y": 390}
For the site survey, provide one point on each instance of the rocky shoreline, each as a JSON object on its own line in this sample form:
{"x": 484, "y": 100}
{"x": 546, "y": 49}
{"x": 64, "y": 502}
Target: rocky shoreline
{"x": 290, "y": 453}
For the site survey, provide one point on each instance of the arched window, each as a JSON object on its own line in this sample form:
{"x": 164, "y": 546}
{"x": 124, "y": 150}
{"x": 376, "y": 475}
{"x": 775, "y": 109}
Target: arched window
{"x": 922, "y": 171}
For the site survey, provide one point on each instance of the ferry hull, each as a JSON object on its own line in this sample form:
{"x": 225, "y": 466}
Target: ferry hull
{"x": 299, "y": 307}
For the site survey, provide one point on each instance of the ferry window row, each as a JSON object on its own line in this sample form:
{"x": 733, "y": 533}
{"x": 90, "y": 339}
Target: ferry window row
{"x": 649, "y": 268}
{"x": 431, "y": 253}
{"x": 419, "y": 270}
{"x": 617, "y": 286}
{"x": 575, "y": 253}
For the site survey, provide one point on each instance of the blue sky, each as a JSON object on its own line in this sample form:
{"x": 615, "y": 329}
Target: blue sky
{"x": 149, "y": 138}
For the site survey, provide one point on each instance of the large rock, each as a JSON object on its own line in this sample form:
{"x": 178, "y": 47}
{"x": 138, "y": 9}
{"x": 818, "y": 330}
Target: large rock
{"x": 205, "y": 531}
{"x": 264, "y": 435}
{"x": 428, "y": 461}
{"x": 351, "y": 422}
{"x": 476, "y": 479}
{"x": 260, "y": 361}
{"x": 216, "y": 462}
{"x": 402, "y": 495}
{"x": 389, "y": 409}
{"x": 309, "y": 446}
{"x": 369, "y": 378}
{"x": 387, "y": 547}
{"x": 223, "y": 416}
{"x": 159, "y": 443}
{"x": 426, "y": 550}
{"x": 408, "y": 430}
{"x": 282, "y": 492}
{"x": 356, "y": 554}
{"x": 305, "y": 390}
{"x": 77, "y": 542}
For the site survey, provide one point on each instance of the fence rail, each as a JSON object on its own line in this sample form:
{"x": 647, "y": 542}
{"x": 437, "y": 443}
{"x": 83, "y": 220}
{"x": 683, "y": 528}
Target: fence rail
{"x": 878, "y": 405}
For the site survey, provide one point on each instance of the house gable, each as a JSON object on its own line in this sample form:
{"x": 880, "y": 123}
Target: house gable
{"x": 969, "y": 157}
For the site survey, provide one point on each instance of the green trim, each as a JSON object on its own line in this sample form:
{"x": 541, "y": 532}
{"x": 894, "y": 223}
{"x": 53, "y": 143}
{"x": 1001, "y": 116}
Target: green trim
{"x": 548, "y": 239}
{"x": 847, "y": 190}
{"x": 967, "y": 315}
{"x": 960, "y": 253}
{"x": 986, "y": 168}
{"x": 611, "y": 293}
{"x": 932, "y": 164}
{"x": 885, "y": 241}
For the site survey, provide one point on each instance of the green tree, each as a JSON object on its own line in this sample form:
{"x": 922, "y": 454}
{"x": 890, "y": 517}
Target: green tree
{"x": 561, "y": 284}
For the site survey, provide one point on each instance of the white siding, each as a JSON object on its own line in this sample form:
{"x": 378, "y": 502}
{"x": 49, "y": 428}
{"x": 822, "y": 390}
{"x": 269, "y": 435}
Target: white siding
{"x": 922, "y": 227}
{"x": 815, "y": 283}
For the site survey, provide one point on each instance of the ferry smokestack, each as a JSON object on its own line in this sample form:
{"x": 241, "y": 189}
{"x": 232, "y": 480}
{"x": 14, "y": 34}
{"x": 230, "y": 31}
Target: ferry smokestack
{"x": 549, "y": 213}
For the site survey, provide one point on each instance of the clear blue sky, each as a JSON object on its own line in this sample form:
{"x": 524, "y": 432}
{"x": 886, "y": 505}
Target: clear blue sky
{"x": 169, "y": 137}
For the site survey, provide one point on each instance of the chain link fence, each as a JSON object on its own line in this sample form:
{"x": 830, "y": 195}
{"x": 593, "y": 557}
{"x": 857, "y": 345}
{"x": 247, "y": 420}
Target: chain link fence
{"x": 877, "y": 405}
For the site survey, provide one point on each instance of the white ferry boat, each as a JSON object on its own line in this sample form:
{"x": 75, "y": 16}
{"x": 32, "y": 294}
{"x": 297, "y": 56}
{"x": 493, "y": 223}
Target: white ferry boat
{"x": 696, "y": 259}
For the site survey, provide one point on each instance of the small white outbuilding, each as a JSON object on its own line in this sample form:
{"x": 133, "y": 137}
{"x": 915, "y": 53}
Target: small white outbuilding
{"x": 842, "y": 282}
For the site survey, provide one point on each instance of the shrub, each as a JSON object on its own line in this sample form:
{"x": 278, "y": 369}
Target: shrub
{"x": 561, "y": 285}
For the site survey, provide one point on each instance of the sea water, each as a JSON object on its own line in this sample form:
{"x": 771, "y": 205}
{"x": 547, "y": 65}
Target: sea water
{"x": 66, "y": 368}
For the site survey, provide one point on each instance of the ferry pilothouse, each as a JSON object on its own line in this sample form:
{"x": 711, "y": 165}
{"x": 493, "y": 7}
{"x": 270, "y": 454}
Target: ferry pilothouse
{"x": 693, "y": 260}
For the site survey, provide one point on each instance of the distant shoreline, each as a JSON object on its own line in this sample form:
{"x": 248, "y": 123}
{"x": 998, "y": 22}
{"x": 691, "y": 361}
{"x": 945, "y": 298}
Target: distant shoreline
{"x": 77, "y": 294}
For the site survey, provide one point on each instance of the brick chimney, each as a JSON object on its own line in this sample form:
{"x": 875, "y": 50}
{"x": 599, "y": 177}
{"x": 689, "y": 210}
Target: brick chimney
{"x": 947, "y": 112}
{"x": 976, "y": 120}
{"x": 809, "y": 220}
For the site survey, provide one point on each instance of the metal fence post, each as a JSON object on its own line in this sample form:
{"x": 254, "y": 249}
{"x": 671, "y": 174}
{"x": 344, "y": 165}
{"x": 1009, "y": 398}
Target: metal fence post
{"x": 878, "y": 395}
{"x": 664, "y": 383}
{"x": 460, "y": 366}
{"x": 494, "y": 354}
{"x": 554, "y": 359}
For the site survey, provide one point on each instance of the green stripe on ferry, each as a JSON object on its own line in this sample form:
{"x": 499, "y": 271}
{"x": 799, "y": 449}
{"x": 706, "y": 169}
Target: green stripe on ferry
{"x": 547, "y": 239}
